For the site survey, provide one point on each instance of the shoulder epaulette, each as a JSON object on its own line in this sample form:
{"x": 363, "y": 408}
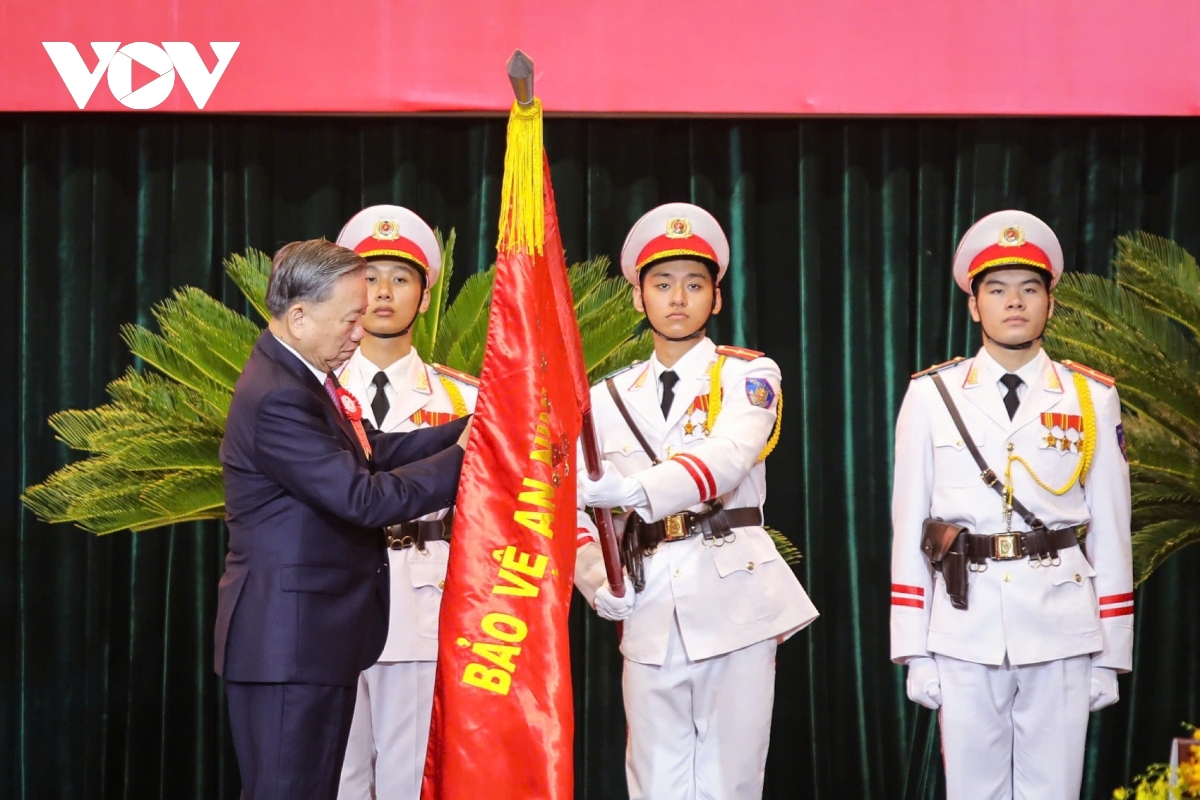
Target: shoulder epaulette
{"x": 937, "y": 367}
{"x": 617, "y": 372}
{"x": 461, "y": 377}
{"x": 1088, "y": 372}
{"x": 743, "y": 353}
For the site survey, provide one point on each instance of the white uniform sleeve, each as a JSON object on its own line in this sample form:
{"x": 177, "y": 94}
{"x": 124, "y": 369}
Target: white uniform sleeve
{"x": 720, "y": 463}
{"x": 589, "y": 559}
{"x": 912, "y": 493}
{"x": 1109, "y": 542}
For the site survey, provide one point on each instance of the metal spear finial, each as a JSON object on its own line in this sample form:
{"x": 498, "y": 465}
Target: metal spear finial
{"x": 520, "y": 74}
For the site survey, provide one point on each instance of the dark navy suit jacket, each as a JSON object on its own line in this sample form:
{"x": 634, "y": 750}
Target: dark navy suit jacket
{"x": 304, "y": 597}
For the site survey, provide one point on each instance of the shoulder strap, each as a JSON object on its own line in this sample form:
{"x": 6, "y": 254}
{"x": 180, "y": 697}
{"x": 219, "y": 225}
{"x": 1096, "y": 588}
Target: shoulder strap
{"x": 985, "y": 472}
{"x": 458, "y": 375}
{"x": 1094, "y": 374}
{"x": 637, "y": 434}
{"x": 937, "y": 367}
{"x": 744, "y": 353}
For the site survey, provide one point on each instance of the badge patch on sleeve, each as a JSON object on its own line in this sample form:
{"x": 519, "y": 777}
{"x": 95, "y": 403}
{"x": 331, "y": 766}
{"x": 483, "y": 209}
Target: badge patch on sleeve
{"x": 759, "y": 392}
{"x": 1121, "y": 440}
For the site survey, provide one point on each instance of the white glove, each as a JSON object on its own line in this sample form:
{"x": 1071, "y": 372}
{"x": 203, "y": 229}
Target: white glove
{"x": 1104, "y": 688}
{"x": 613, "y": 490}
{"x": 924, "y": 684}
{"x": 614, "y": 608}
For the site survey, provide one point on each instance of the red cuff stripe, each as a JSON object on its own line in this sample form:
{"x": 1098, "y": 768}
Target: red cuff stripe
{"x": 1122, "y": 611}
{"x": 712, "y": 482}
{"x": 708, "y": 476}
{"x": 585, "y": 540}
{"x": 908, "y": 601}
{"x": 1109, "y": 599}
{"x": 691, "y": 470}
{"x": 900, "y": 587}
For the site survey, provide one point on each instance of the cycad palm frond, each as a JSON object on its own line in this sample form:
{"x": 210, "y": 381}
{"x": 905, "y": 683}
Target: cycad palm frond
{"x": 1143, "y": 328}
{"x": 154, "y": 448}
{"x": 462, "y": 333}
{"x": 1155, "y": 542}
{"x": 425, "y": 330}
{"x": 1164, "y": 274}
{"x": 250, "y": 273}
{"x": 787, "y": 551}
{"x": 637, "y": 348}
{"x": 608, "y": 322}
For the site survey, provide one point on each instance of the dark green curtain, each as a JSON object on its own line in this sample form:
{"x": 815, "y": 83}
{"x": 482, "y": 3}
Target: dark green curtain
{"x": 842, "y": 235}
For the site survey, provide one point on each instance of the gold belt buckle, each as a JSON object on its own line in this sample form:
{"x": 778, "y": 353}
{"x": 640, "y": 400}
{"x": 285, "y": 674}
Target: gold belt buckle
{"x": 675, "y": 528}
{"x": 1004, "y": 546}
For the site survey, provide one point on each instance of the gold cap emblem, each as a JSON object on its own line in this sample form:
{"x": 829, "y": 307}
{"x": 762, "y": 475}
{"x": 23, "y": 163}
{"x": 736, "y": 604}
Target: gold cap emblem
{"x": 387, "y": 230}
{"x": 1012, "y": 236}
{"x": 679, "y": 228}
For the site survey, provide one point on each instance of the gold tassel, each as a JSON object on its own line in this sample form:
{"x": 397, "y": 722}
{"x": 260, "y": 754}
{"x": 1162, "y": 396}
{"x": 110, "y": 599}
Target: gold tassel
{"x": 714, "y": 408}
{"x": 456, "y": 399}
{"x": 522, "y": 206}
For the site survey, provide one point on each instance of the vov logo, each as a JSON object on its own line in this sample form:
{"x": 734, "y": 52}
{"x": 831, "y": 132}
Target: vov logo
{"x": 165, "y": 61}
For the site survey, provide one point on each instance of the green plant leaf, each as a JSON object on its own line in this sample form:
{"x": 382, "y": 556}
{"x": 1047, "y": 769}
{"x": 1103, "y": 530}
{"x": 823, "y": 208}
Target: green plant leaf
{"x": 250, "y": 273}
{"x": 1142, "y": 327}
{"x": 426, "y": 328}
{"x": 153, "y": 451}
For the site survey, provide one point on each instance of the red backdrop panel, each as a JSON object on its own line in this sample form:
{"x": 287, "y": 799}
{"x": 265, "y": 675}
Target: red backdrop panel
{"x": 955, "y": 57}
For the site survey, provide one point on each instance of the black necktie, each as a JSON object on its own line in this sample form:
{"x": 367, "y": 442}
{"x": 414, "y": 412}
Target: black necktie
{"x": 380, "y": 404}
{"x": 1011, "y": 401}
{"x": 669, "y": 379}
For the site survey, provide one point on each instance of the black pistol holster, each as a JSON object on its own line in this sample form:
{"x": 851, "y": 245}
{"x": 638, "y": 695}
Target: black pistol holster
{"x": 943, "y": 544}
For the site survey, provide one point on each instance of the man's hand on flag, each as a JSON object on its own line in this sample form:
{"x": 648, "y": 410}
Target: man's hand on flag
{"x": 613, "y": 608}
{"x": 613, "y": 490}
{"x": 466, "y": 434}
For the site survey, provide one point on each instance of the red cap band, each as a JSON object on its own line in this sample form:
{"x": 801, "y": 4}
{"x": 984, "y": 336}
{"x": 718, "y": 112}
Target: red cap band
{"x": 1024, "y": 255}
{"x": 399, "y": 247}
{"x": 675, "y": 247}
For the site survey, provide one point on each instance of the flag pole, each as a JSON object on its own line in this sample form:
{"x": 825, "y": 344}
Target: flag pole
{"x": 520, "y": 75}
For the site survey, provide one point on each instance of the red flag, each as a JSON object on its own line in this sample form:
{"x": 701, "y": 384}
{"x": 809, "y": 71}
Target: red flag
{"x": 556, "y": 262}
{"x": 503, "y": 710}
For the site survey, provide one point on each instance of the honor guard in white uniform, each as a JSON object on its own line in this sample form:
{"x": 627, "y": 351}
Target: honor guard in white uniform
{"x": 385, "y": 756}
{"x": 1012, "y": 584}
{"x": 684, "y": 437}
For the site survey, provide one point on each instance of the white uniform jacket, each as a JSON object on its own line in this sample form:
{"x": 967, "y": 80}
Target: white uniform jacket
{"x": 1082, "y": 606}
{"x": 726, "y": 597}
{"x": 419, "y": 399}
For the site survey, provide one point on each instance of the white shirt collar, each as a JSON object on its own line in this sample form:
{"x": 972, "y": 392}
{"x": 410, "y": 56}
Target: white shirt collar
{"x": 1028, "y": 373}
{"x": 397, "y": 373}
{"x": 321, "y": 376}
{"x": 692, "y": 364}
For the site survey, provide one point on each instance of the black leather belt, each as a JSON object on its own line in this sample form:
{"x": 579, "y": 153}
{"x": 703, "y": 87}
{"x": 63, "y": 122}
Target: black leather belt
{"x": 677, "y": 527}
{"x": 1007, "y": 546}
{"x": 410, "y": 534}
{"x": 715, "y": 525}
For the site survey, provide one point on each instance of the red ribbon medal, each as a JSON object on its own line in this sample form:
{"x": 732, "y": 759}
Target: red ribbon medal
{"x": 353, "y": 412}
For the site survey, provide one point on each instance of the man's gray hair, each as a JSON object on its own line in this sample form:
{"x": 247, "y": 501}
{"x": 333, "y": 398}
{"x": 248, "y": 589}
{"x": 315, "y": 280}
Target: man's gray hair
{"x": 307, "y": 271}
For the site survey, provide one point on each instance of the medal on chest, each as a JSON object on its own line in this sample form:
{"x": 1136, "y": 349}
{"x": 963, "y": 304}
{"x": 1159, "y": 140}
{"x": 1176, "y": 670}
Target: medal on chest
{"x": 695, "y": 420}
{"x": 1063, "y": 433}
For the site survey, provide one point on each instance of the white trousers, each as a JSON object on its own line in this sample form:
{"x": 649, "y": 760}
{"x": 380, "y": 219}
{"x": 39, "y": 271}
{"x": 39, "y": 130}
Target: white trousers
{"x": 385, "y": 757}
{"x": 699, "y": 730}
{"x": 1014, "y": 733}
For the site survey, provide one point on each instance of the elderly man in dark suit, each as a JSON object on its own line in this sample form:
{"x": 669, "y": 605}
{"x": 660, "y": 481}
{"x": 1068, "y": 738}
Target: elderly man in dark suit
{"x": 303, "y": 606}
